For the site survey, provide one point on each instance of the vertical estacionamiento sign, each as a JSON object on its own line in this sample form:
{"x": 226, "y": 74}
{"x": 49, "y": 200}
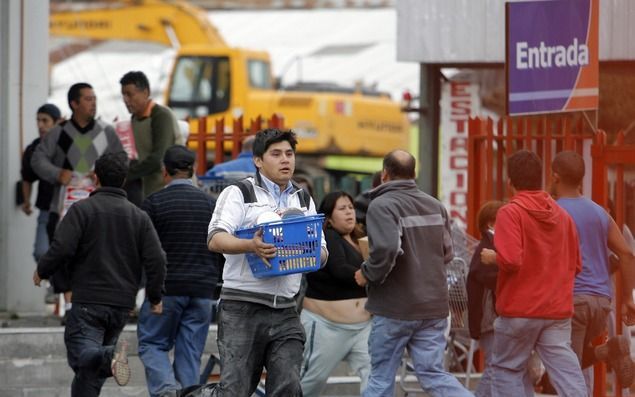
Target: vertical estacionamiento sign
{"x": 460, "y": 100}
{"x": 551, "y": 56}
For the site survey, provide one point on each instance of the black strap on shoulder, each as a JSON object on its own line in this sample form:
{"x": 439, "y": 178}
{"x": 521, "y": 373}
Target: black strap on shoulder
{"x": 305, "y": 198}
{"x": 247, "y": 189}
{"x": 249, "y": 194}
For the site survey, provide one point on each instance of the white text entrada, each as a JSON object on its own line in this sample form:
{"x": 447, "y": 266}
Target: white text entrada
{"x": 545, "y": 56}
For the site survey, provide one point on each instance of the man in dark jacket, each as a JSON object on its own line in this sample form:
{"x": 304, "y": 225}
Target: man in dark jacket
{"x": 180, "y": 213}
{"x": 48, "y": 115}
{"x": 106, "y": 242}
{"x": 410, "y": 245}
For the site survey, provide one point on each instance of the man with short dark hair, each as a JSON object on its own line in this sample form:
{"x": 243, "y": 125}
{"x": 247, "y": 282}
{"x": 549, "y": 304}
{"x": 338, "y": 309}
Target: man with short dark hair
{"x": 592, "y": 291}
{"x": 48, "y": 115}
{"x": 538, "y": 257}
{"x": 258, "y": 323}
{"x": 410, "y": 245}
{"x": 69, "y": 151}
{"x": 155, "y": 129}
{"x": 107, "y": 243}
{"x": 180, "y": 213}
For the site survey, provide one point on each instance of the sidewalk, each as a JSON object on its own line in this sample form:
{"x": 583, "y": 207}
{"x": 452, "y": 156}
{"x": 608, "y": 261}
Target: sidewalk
{"x": 41, "y": 340}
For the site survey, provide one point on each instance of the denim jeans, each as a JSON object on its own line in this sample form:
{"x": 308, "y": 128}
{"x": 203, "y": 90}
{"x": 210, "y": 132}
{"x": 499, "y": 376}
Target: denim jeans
{"x": 41, "y": 244}
{"x": 328, "y": 343}
{"x": 90, "y": 336}
{"x": 183, "y": 325}
{"x": 515, "y": 338}
{"x": 484, "y": 388}
{"x": 252, "y": 336}
{"x": 425, "y": 341}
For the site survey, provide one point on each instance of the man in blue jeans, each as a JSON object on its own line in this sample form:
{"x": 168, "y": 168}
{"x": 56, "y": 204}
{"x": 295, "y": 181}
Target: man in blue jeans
{"x": 180, "y": 213}
{"x": 106, "y": 242}
{"x": 410, "y": 245}
{"x": 537, "y": 257}
{"x": 48, "y": 115}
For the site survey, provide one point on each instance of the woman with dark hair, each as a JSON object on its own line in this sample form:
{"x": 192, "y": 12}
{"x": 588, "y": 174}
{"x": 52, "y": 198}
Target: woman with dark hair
{"x": 334, "y": 318}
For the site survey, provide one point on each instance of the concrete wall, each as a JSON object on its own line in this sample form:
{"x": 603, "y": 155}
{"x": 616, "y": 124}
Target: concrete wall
{"x": 23, "y": 88}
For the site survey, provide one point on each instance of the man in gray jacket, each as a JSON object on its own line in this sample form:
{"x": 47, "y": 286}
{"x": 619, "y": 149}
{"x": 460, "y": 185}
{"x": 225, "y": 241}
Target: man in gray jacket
{"x": 410, "y": 245}
{"x": 69, "y": 151}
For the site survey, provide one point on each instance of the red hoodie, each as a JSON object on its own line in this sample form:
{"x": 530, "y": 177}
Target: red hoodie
{"x": 537, "y": 256}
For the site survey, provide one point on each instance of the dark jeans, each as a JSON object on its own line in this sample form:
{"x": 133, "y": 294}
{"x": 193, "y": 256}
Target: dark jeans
{"x": 134, "y": 191}
{"x": 253, "y": 336}
{"x": 90, "y": 337}
{"x": 61, "y": 279}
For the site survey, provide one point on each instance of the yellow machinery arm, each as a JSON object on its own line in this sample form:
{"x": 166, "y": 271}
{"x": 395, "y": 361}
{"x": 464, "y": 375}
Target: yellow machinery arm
{"x": 214, "y": 80}
{"x": 173, "y": 24}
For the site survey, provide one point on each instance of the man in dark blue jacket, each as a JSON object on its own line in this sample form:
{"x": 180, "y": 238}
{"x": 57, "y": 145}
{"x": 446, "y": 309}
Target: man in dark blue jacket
{"x": 106, "y": 242}
{"x": 180, "y": 213}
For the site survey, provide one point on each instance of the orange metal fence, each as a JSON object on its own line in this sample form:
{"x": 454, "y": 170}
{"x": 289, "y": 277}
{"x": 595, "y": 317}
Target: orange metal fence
{"x": 610, "y": 187}
{"x": 218, "y": 134}
{"x": 490, "y": 143}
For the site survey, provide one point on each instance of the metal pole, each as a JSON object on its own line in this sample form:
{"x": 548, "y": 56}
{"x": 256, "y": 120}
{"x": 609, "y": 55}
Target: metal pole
{"x": 430, "y": 94}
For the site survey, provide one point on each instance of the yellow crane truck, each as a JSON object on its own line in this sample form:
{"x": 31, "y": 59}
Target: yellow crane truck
{"x": 339, "y": 129}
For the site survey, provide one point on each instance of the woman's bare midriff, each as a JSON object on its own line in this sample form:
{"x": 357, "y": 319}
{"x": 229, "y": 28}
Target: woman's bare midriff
{"x": 347, "y": 311}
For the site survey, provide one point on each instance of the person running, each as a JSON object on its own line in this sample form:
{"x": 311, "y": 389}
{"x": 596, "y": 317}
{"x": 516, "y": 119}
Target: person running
{"x": 107, "y": 243}
{"x": 410, "y": 245}
{"x": 592, "y": 290}
{"x": 538, "y": 257}
{"x": 258, "y": 323}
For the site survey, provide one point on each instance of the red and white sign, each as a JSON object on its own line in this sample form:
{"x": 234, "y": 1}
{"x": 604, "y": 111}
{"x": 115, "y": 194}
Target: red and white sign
{"x": 124, "y": 132}
{"x": 79, "y": 188}
{"x": 459, "y": 102}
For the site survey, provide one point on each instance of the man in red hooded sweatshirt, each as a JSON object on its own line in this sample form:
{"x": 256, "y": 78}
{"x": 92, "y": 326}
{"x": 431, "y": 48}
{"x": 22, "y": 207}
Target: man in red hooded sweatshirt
{"x": 538, "y": 258}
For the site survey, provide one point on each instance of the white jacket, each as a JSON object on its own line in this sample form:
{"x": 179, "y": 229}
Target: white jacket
{"x": 232, "y": 213}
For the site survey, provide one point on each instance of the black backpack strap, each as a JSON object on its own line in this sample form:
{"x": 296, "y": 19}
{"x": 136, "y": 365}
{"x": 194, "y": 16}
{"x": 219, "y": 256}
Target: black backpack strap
{"x": 247, "y": 189}
{"x": 249, "y": 194}
{"x": 305, "y": 198}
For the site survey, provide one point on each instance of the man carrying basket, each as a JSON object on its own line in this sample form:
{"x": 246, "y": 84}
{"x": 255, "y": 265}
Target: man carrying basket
{"x": 258, "y": 324}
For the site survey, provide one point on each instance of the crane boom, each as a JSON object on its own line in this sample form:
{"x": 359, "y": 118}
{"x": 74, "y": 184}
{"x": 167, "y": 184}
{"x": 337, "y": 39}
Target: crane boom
{"x": 172, "y": 24}
{"x": 212, "y": 79}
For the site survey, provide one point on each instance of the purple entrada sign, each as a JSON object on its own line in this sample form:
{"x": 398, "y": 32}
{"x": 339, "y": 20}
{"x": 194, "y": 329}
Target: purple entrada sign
{"x": 552, "y": 56}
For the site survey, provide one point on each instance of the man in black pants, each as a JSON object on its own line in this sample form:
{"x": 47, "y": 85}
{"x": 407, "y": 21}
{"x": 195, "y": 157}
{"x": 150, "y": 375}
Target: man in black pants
{"x": 106, "y": 242}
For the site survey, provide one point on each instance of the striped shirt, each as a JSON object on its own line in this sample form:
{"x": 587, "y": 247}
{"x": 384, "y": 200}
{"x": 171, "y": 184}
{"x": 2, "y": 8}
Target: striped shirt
{"x": 180, "y": 213}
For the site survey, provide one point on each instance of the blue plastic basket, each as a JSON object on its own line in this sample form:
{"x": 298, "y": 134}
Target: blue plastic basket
{"x": 297, "y": 241}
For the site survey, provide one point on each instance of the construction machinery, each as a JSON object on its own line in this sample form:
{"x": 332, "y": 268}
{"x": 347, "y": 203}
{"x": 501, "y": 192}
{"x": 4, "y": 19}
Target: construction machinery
{"x": 211, "y": 79}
